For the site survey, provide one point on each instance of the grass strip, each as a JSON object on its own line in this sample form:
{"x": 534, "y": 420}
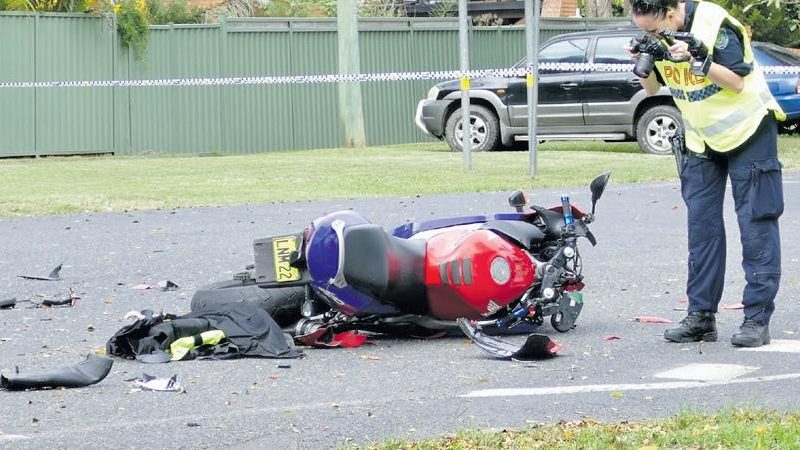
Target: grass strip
{"x": 58, "y": 185}
{"x": 728, "y": 429}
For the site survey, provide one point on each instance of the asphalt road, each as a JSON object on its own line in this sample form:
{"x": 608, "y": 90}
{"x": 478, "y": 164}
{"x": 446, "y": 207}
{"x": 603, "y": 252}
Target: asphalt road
{"x": 392, "y": 388}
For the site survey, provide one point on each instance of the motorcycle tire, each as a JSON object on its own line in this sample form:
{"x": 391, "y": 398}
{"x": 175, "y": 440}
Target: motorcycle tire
{"x": 281, "y": 303}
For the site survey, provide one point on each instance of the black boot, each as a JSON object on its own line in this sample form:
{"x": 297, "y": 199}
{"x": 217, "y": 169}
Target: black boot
{"x": 697, "y": 326}
{"x": 752, "y": 333}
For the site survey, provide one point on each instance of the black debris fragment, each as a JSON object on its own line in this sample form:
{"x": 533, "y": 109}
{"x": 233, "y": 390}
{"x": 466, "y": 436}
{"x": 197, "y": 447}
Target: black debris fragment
{"x": 167, "y": 285}
{"x": 90, "y": 371}
{"x": 9, "y": 303}
{"x": 55, "y": 275}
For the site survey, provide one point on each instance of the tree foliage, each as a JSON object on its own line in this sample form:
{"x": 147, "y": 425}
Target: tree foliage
{"x": 161, "y": 12}
{"x": 768, "y": 20}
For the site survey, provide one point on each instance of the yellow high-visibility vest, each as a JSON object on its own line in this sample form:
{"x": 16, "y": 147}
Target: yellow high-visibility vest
{"x": 712, "y": 114}
{"x": 180, "y": 347}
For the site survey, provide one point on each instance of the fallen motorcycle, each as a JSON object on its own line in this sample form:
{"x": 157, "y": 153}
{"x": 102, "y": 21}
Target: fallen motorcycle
{"x": 484, "y": 275}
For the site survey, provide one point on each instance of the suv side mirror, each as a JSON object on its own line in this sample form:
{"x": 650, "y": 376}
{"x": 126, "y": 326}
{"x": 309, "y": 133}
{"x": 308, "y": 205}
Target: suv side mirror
{"x": 598, "y": 186}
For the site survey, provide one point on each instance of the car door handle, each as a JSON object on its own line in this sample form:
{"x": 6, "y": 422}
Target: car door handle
{"x": 568, "y": 86}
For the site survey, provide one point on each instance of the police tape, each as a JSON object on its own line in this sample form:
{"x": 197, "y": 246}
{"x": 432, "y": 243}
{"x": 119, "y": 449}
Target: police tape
{"x": 346, "y": 78}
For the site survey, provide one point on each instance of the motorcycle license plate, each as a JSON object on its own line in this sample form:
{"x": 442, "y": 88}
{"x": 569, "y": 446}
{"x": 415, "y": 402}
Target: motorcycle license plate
{"x": 273, "y": 257}
{"x": 282, "y": 248}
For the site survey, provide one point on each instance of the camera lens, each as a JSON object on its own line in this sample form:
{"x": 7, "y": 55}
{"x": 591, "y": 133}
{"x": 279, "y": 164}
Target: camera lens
{"x": 644, "y": 65}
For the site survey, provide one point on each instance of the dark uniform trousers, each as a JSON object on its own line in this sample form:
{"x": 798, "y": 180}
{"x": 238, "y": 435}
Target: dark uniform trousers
{"x": 755, "y": 175}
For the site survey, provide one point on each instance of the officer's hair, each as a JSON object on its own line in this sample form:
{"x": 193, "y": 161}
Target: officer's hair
{"x": 656, "y": 8}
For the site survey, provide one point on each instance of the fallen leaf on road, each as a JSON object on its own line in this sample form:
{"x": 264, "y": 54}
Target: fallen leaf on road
{"x": 610, "y": 338}
{"x": 651, "y": 319}
{"x": 370, "y": 357}
{"x": 616, "y": 394}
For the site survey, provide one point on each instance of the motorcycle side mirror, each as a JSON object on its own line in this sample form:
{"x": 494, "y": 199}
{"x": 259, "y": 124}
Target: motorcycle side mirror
{"x": 597, "y": 187}
{"x": 518, "y": 200}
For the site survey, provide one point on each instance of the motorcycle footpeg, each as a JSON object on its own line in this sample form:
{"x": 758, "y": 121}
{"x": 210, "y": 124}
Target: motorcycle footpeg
{"x": 90, "y": 371}
{"x": 536, "y": 346}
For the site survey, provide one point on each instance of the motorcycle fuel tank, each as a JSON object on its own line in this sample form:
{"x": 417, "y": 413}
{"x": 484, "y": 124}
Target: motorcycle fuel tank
{"x": 473, "y": 272}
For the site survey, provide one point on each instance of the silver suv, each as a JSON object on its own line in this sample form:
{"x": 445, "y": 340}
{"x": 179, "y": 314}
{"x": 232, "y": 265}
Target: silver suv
{"x": 609, "y": 106}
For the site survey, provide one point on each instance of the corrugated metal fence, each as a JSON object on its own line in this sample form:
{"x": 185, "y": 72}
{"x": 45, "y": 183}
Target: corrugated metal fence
{"x": 224, "y": 119}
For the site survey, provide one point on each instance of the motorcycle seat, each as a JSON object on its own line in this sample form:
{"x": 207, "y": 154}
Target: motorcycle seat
{"x": 521, "y": 233}
{"x": 390, "y": 268}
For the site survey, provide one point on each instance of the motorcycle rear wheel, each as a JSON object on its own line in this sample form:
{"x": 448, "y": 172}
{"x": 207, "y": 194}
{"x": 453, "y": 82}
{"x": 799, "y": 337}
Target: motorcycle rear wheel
{"x": 281, "y": 303}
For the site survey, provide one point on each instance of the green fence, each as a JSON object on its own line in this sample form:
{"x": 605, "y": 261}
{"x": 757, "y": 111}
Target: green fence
{"x": 224, "y": 119}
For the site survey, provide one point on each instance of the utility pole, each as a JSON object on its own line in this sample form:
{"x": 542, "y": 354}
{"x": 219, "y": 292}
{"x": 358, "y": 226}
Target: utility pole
{"x": 351, "y": 114}
{"x": 532, "y": 46}
{"x": 463, "y": 41}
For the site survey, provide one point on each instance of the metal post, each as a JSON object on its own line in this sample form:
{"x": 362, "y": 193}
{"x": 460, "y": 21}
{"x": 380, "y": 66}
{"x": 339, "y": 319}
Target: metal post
{"x": 532, "y": 45}
{"x": 463, "y": 40}
{"x": 351, "y": 112}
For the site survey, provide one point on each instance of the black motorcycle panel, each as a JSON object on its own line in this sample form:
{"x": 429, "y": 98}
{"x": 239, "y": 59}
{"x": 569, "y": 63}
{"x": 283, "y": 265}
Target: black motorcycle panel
{"x": 523, "y": 234}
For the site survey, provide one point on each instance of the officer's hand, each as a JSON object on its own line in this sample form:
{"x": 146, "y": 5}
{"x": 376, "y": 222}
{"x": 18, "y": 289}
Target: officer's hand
{"x": 633, "y": 55}
{"x": 679, "y": 51}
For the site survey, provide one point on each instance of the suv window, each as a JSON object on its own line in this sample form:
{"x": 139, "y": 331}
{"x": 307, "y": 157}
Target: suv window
{"x": 610, "y": 50}
{"x": 571, "y": 51}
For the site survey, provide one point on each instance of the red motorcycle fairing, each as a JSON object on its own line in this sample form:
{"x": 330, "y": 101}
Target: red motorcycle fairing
{"x": 458, "y": 277}
{"x": 577, "y": 213}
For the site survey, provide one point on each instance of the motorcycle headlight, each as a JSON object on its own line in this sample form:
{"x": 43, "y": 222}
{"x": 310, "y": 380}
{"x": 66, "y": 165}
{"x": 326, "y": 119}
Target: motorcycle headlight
{"x": 433, "y": 93}
{"x": 500, "y": 270}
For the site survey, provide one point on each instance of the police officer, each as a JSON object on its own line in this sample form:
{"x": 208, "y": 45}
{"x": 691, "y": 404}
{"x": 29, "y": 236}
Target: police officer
{"x": 730, "y": 120}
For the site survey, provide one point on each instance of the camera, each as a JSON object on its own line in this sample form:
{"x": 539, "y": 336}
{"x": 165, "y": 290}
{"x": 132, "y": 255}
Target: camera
{"x": 649, "y": 50}
{"x": 701, "y": 60}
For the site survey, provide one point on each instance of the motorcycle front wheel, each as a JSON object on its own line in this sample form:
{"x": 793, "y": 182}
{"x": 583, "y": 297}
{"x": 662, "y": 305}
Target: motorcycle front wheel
{"x": 281, "y": 303}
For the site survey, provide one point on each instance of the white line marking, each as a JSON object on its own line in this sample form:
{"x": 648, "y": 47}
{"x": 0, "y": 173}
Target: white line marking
{"x": 777, "y": 345}
{"x": 511, "y": 392}
{"x": 12, "y": 437}
{"x": 707, "y": 372}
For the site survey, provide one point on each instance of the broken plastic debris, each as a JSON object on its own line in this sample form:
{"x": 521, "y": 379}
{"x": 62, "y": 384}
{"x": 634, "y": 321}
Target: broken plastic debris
{"x": 733, "y": 306}
{"x": 536, "y": 346}
{"x": 150, "y": 383}
{"x": 134, "y": 315}
{"x": 90, "y": 371}
{"x": 324, "y": 337}
{"x": 167, "y": 285}
{"x": 71, "y": 301}
{"x": 350, "y": 339}
{"x": 9, "y": 303}
{"x": 55, "y": 275}
{"x": 651, "y": 319}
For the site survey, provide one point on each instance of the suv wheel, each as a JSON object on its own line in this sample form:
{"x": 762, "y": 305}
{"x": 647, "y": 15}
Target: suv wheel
{"x": 484, "y": 129}
{"x": 655, "y": 128}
